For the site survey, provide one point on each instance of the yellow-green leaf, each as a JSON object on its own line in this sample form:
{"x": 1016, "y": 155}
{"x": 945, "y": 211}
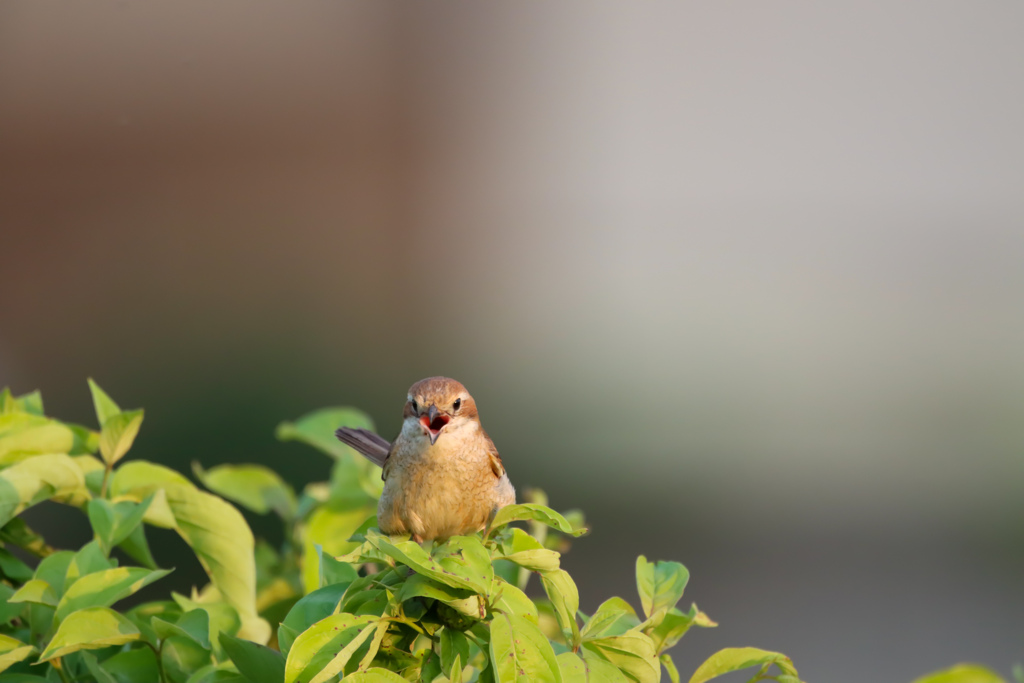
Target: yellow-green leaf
{"x": 316, "y": 646}
{"x": 317, "y": 429}
{"x": 118, "y": 434}
{"x": 533, "y": 512}
{"x": 509, "y": 599}
{"x": 35, "y": 591}
{"x": 588, "y": 668}
{"x": 374, "y": 675}
{"x": 632, "y": 652}
{"x": 660, "y": 584}
{"x": 104, "y": 405}
{"x": 340, "y": 661}
{"x": 104, "y": 588}
{"x": 12, "y": 651}
{"x": 39, "y": 478}
{"x": 215, "y": 530}
{"x": 736, "y": 658}
{"x": 90, "y": 629}
{"x": 613, "y": 616}
{"x": 565, "y": 598}
{"x": 25, "y": 433}
{"x": 520, "y": 652}
{"x": 962, "y": 673}
{"x": 330, "y": 529}
{"x": 254, "y": 487}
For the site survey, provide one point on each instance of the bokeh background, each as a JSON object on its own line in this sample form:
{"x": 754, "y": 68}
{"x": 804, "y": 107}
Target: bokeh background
{"x": 742, "y": 280}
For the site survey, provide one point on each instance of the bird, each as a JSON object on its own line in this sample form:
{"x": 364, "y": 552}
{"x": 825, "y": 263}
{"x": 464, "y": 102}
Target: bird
{"x": 442, "y": 475}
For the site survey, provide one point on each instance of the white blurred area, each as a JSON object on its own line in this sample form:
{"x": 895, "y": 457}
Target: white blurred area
{"x": 778, "y": 243}
{"x": 744, "y": 280}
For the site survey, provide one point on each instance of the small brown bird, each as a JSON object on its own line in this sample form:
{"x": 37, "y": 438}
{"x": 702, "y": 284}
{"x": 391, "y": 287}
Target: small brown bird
{"x": 442, "y": 475}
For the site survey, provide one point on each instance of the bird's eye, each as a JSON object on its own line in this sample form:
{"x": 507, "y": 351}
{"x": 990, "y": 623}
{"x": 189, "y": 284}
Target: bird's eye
{"x": 458, "y": 402}
{"x": 415, "y": 407}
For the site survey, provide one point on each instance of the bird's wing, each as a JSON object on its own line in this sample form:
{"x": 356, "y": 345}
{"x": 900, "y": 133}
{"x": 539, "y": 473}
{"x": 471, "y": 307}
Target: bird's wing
{"x": 492, "y": 452}
{"x": 373, "y": 446}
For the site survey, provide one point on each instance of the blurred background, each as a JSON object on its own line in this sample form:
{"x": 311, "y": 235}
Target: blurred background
{"x": 741, "y": 280}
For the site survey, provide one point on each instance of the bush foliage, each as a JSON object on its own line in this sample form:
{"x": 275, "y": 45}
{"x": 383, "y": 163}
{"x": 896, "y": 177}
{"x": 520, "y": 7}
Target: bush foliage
{"x": 337, "y": 599}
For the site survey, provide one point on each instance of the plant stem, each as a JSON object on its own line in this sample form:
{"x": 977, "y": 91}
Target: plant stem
{"x": 59, "y": 666}
{"x": 159, "y": 659}
{"x": 107, "y": 467}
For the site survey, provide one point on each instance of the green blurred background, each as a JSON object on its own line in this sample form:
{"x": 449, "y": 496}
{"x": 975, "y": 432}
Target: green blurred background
{"x": 742, "y": 281}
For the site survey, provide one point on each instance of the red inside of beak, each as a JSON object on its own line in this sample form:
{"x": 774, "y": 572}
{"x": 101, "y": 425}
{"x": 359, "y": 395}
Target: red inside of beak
{"x": 435, "y": 426}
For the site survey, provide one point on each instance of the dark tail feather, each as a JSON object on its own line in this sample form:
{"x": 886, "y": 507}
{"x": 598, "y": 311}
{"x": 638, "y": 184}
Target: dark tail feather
{"x": 373, "y": 446}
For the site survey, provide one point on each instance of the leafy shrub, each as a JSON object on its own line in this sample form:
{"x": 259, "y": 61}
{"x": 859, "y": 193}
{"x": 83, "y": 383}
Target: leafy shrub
{"x": 336, "y": 599}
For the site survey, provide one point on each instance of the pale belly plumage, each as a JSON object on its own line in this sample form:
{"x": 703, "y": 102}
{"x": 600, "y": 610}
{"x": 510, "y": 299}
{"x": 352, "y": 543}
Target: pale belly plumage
{"x": 444, "y": 490}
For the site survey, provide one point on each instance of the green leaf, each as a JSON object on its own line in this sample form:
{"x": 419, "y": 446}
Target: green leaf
{"x": 632, "y": 652}
{"x": 118, "y": 434}
{"x": 317, "y": 430}
{"x": 256, "y": 662}
{"x": 8, "y": 610}
{"x": 613, "y": 617}
{"x": 104, "y": 588}
{"x": 534, "y": 512}
{"x": 222, "y": 617}
{"x": 455, "y": 675}
{"x": 12, "y": 651}
{"x": 467, "y": 558}
{"x": 675, "y": 625}
{"x": 97, "y": 671}
{"x": 463, "y": 600}
{"x": 519, "y": 651}
{"x": 215, "y": 530}
{"x": 36, "y": 591}
{"x": 105, "y": 406}
{"x": 54, "y": 569}
{"x": 89, "y": 629}
{"x": 88, "y": 560}
{"x": 462, "y": 562}
{"x": 137, "y": 547}
{"x": 309, "y": 610}
{"x": 431, "y": 667}
{"x": 509, "y": 599}
{"x": 181, "y": 657}
{"x": 31, "y": 403}
{"x": 254, "y": 487}
{"x": 962, "y": 673}
{"x": 565, "y": 598}
{"x": 14, "y": 569}
{"x": 133, "y": 666}
{"x": 332, "y": 571}
{"x": 329, "y": 528}
{"x": 115, "y": 522}
{"x": 736, "y": 658}
{"x": 541, "y": 560}
{"x": 315, "y": 647}
{"x": 588, "y": 669}
{"x": 37, "y": 479}
{"x": 374, "y": 646}
{"x": 660, "y": 584}
{"x": 454, "y": 645}
{"x": 194, "y": 624}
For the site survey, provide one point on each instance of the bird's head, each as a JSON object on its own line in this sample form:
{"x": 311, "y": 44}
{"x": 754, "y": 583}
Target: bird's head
{"x": 438, "y": 405}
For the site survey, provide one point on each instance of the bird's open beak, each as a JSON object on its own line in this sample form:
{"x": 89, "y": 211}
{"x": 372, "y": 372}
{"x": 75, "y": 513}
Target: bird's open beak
{"x": 433, "y": 422}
